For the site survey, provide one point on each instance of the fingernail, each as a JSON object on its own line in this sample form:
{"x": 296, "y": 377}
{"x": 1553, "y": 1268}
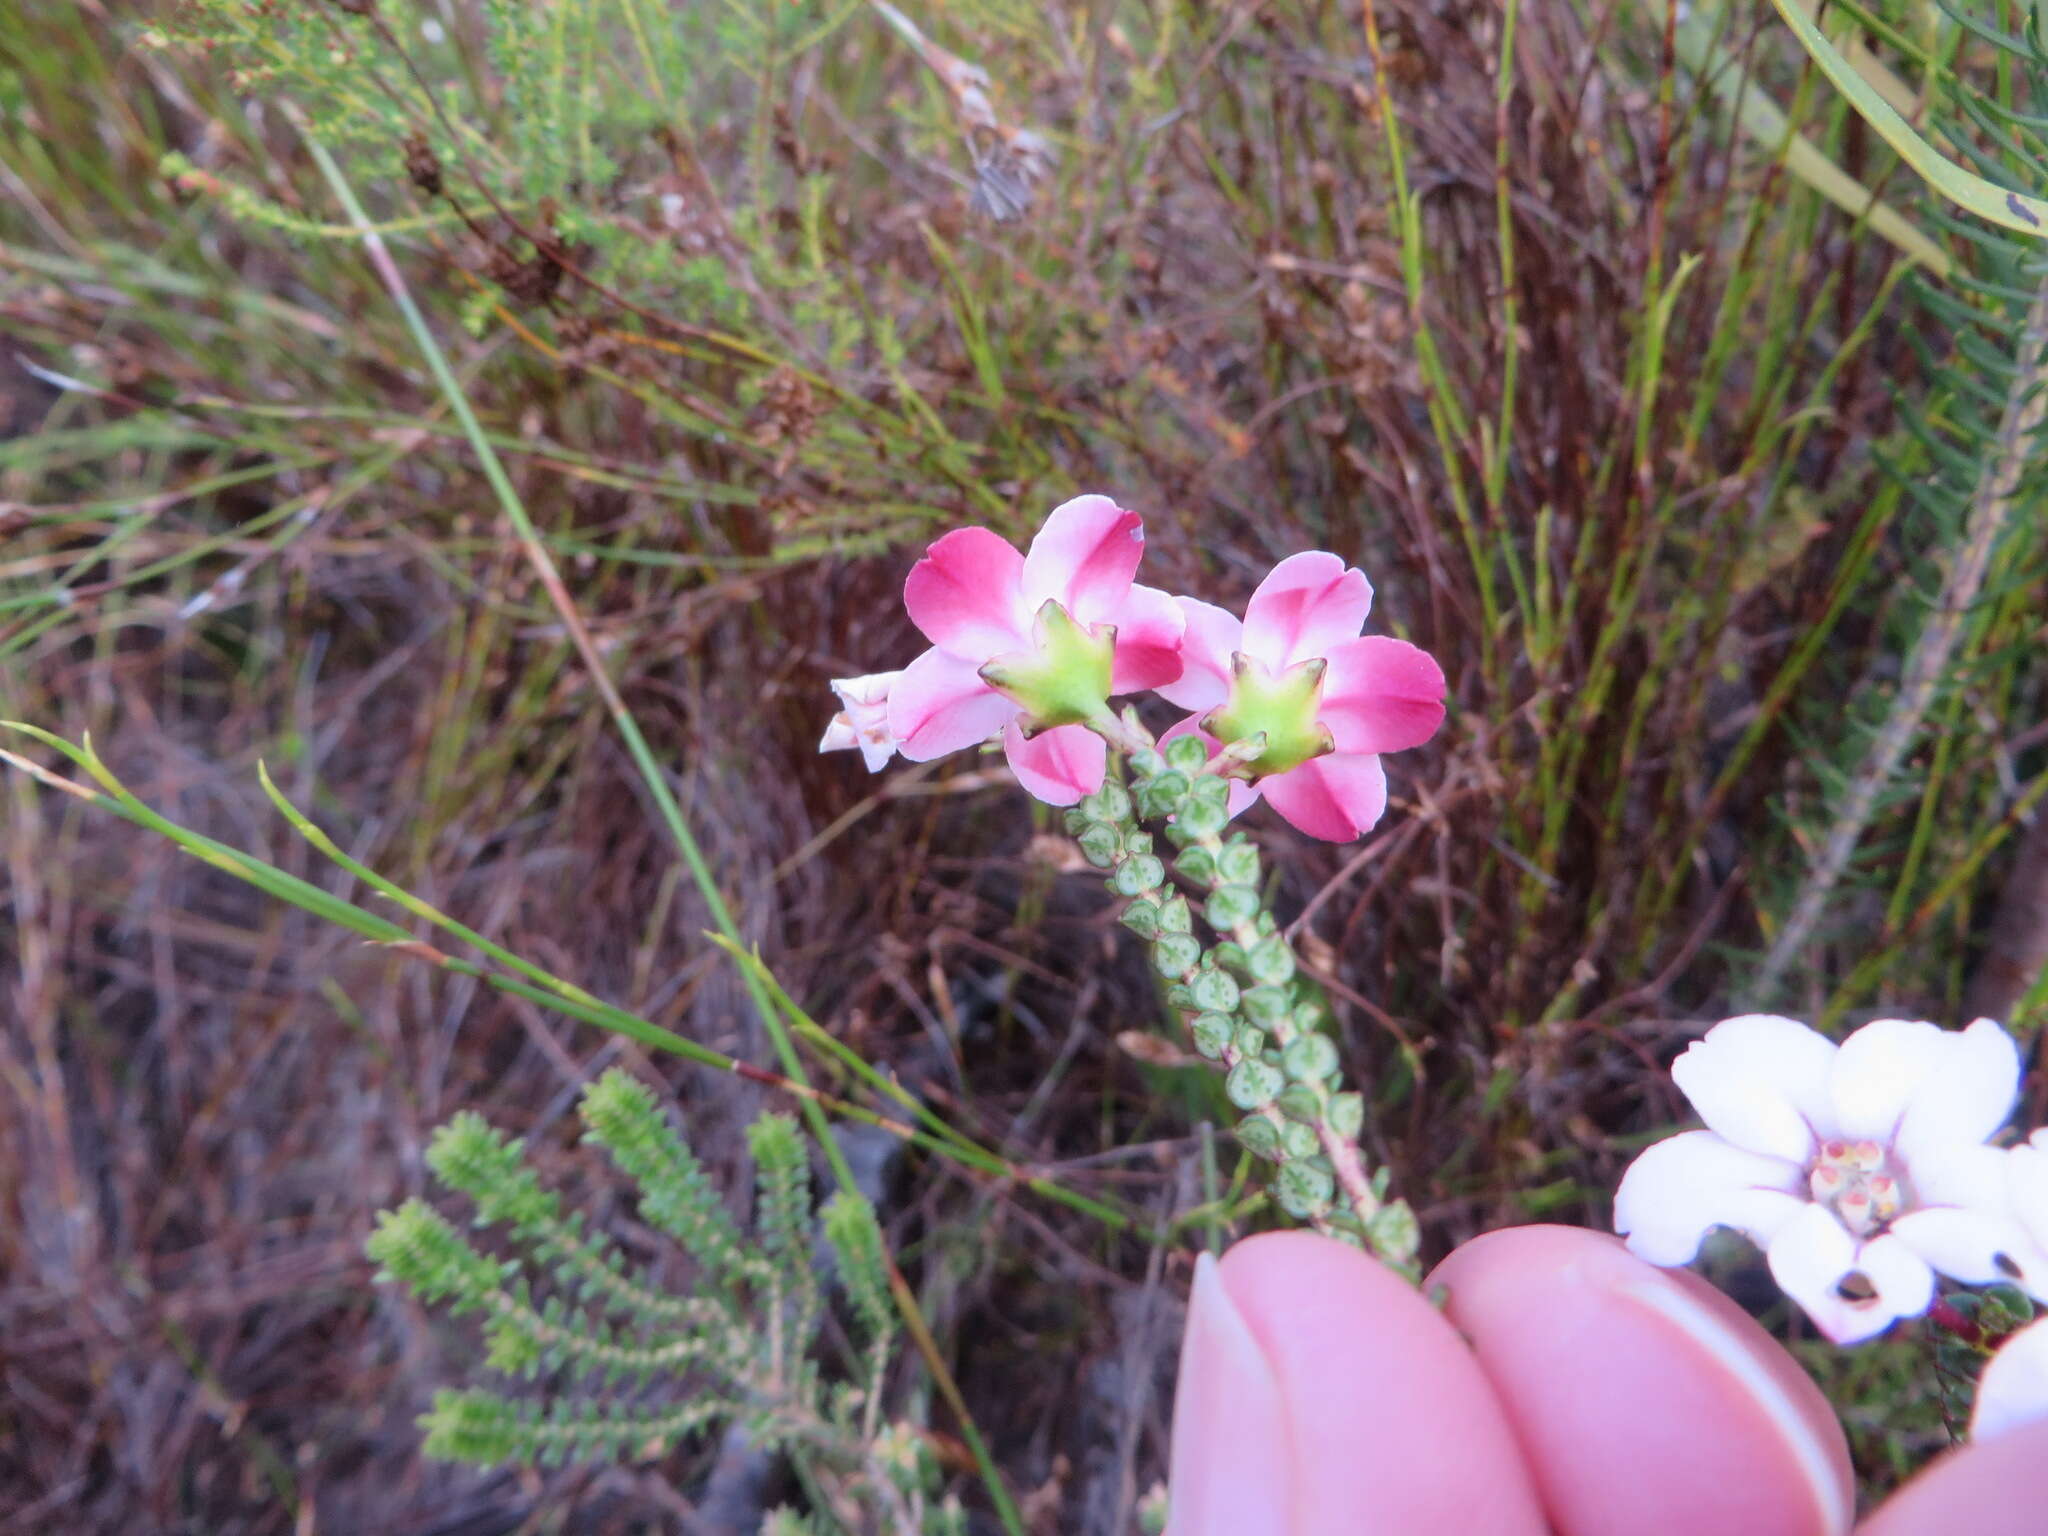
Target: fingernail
{"x": 1228, "y": 1474}
{"x": 1711, "y": 1334}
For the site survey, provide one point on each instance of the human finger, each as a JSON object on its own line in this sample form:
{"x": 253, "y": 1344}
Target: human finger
{"x": 1642, "y": 1398}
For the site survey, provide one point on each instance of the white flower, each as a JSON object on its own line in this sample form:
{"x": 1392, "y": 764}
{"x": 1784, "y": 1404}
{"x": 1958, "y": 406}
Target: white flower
{"x": 864, "y": 721}
{"x": 1859, "y": 1169}
{"x": 2014, "y": 1387}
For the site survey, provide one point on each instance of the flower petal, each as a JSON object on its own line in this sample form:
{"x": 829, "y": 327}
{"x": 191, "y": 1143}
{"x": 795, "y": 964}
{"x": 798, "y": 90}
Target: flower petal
{"x": 840, "y": 735}
{"x": 1084, "y": 558}
{"x": 1761, "y": 1081}
{"x": 940, "y": 705}
{"x": 1206, "y": 642}
{"x": 1381, "y": 695}
{"x": 967, "y": 595}
{"x": 2014, "y": 1387}
{"x": 1242, "y": 795}
{"x": 1813, "y": 1254}
{"x": 1969, "y": 1095}
{"x": 1686, "y": 1185}
{"x": 2026, "y": 1175}
{"x": 1149, "y": 625}
{"x": 1877, "y": 1071}
{"x": 1059, "y": 766}
{"x": 1338, "y": 796}
{"x": 1977, "y": 1247}
{"x": 1306, "y": 604}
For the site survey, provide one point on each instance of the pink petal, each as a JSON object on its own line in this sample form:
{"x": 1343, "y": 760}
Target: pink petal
{"x": 1684, "y": 1186}
{"x": 1059, "y": 766}
{"x": 2014, "y": 1387}
{"x": 1879, "y": 1069}
{"x": 1381, "y": 695}
{"x": 1762, "y": 1082}
{"x": 1242, "y": 795}
{"x": 967, "y": 595}
{"x": 1084, "y": 557}
{"x": 1967, "y": 1097}
{"x": 1148, "y": 634}
{"x": 1205, "y": 647}
{"x": 1307, "y": 604}
{"x": 1336, "y": 797}
{"x": 940, "y": 705}
{"x": 1813, "y": 1254}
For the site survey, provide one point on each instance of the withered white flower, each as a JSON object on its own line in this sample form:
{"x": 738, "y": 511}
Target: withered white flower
{"x": 863, "y": 722}
{"x": 1859, "y": 1169}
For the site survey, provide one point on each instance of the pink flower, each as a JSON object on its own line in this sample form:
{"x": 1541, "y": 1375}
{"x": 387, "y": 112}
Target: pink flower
{"x": 1327, "y": 700}
{"x": 1039, "y": 623}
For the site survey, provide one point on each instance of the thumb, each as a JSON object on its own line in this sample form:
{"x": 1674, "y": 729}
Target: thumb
{"x": 1320, "y": 1395}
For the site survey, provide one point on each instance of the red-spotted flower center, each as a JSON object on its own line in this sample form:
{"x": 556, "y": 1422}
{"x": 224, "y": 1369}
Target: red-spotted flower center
{"x": 1859, "y": 1183}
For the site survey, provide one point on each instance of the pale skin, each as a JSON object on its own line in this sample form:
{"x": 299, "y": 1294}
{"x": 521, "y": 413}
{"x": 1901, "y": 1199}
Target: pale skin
{"x": 1566, "y": 1388}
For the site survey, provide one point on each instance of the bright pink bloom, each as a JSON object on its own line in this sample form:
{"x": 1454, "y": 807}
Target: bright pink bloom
{"x": 1374, "y": 694}
{"x": 976, "y": 599}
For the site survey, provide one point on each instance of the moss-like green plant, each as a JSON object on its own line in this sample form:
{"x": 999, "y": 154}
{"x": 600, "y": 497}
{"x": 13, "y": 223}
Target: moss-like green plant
{"x": 635, "y": 1369}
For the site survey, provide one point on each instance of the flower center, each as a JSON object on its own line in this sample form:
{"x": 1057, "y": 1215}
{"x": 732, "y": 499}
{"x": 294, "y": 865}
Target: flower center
{"x": 1856, "y": 1180}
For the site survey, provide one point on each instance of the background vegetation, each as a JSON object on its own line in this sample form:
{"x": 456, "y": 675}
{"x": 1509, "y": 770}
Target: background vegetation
{"x": 1641, "y": 415}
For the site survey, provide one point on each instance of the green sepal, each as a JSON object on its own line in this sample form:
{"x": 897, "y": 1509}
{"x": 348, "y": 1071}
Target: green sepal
{"x": 1281, "y": 706}
{"x": 1064, "y": 678}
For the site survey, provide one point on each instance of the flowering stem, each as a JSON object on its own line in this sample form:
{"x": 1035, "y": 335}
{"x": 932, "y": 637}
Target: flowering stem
{"x": 1238, "y": 997}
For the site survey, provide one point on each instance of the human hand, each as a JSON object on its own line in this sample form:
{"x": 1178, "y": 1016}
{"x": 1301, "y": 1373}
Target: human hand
{"x": 1598, "y": 1396}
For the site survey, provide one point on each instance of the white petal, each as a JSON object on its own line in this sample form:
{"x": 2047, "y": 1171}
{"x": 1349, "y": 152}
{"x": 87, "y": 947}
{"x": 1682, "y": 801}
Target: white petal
{"x": 870, "y": 689}
{"x": 1878, "y": 1070}
{"x": 839, "y": 735}
{"x": 1977, "y": 1247}
{"x": 1813, "y": 1254}
{"x": 1961, "y": 1174}
{"x": 1968, "y": 1096}
{"x": 1688, "y": 1184}
{"x": 2026, "y": 1183}
{"x": 1761, "y": 1082}
{"x": 2014, "y": 1387}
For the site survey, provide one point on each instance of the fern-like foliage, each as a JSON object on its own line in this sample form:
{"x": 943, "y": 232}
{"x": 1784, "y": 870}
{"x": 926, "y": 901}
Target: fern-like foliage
{"x": 1964, "y": 529}
{"x": 634, "y": 1369}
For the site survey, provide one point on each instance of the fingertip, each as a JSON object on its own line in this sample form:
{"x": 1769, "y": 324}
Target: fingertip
{"x": 1644, "y": 1399}
{"x": 1996, "y": 1487}
{"x": 1389, "y": 1416}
